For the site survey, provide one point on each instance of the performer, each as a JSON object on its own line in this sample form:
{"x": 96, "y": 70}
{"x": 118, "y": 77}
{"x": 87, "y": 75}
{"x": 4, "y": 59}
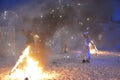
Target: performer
{"x": 65, "y": 48}
{"x": 26, "y": 78}
{"x": 87, "y": 42}
{"x": 29, "y": 37}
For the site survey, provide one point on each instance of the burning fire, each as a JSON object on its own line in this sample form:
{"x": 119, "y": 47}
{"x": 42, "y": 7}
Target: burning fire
{"x": 30, "y": 69}
{"x": 93, "y": 48}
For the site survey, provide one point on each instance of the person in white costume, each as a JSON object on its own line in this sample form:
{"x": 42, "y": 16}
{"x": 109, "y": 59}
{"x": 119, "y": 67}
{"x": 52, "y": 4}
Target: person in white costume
{"x": 87, "y": 42}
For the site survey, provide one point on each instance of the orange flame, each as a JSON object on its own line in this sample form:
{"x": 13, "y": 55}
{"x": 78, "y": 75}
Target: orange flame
{"x": 31, "y": 69}
{"x": 25, "y": 54}
{"x": 93, "y": 49}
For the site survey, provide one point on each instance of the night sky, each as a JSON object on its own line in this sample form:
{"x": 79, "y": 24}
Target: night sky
{"x": 10, "y": 4}
{"x": 92, "y": 6}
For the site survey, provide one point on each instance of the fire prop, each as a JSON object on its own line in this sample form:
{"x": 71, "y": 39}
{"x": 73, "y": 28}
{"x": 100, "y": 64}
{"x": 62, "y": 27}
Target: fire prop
{"x": 93, "y": 48}
{"x": 29, "y": 70}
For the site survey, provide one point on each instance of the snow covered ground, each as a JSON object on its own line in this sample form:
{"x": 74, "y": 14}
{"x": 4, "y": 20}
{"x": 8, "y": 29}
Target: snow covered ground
{"x": 102, "y": 67}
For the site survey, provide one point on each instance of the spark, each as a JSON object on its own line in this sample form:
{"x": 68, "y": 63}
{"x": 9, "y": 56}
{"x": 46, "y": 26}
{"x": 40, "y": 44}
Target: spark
{"x": 9, "y": 44}
{"x": 80, "y": 23}
{"x": 53, "y": 10}
{"x": 5, "y": 33}
{"x": 68, "y": 5}
{"x": 41, "y": 16}
{"x": 100, "y": 37}
{"x": 60, "y": 16}
{"x": 57, "y": 8}
{"x": 88, "y": 19}
{"x": 78, "y": 4}
{"x": 5, "y": 13}
{"x": 72, "y": 37}
{"x": 87, "y": 28}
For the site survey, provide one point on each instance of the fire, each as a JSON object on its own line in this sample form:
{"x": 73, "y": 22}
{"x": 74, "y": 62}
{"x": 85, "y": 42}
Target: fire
{"x": 30, "y": 69}
{"x": 93, "y": 48}
{"x": 25, "y": 54}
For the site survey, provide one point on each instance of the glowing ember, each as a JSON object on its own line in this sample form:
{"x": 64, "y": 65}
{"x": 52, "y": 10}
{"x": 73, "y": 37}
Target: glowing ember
{"x": 27, "y": 67}
{"x": 93, "y": 48}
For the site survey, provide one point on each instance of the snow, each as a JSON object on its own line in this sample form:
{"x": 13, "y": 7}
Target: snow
{"x": 102, "y": 67}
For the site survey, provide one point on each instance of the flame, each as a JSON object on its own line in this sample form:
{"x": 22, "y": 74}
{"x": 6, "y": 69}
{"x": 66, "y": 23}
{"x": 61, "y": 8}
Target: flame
{"x": 30, "y": 70}
{"x": 93, "y": 49}
{"x": 25, "y": 54}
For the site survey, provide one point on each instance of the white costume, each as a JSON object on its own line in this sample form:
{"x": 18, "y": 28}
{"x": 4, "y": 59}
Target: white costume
{"x": 87, "y": 42}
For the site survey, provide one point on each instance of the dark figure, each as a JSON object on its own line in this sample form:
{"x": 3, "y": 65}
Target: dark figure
{"x": 65, "y": 48}
{"x": 87, "y": 42}
{"x": 26, "y": 78}
{"x": 29, "y": 37}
